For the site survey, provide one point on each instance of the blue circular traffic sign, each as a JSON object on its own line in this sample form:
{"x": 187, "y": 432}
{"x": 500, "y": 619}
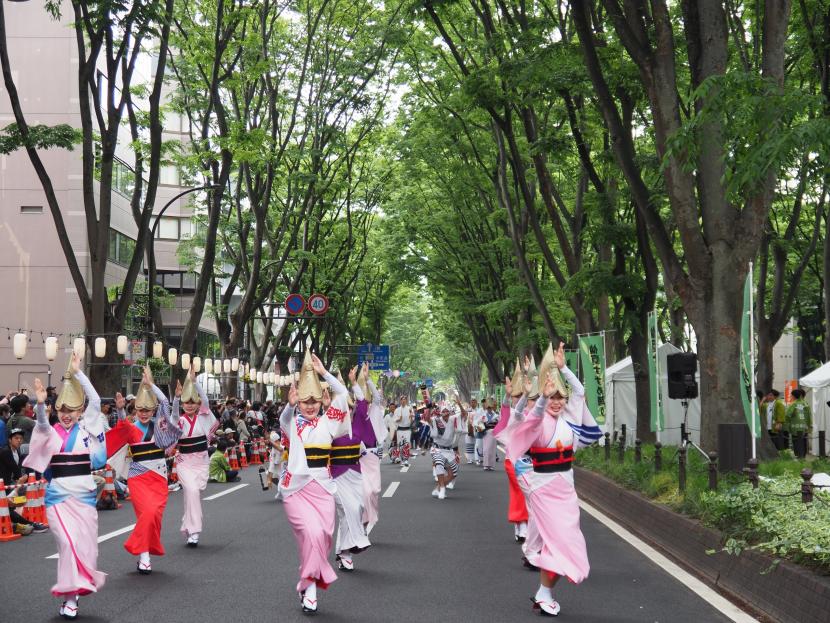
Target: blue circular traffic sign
{"x": 294, "y": 304}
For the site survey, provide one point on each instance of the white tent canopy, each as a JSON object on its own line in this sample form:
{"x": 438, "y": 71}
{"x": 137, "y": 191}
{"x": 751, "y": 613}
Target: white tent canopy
{"x": 621, "y": 401}
{"x": 818, "y": 385}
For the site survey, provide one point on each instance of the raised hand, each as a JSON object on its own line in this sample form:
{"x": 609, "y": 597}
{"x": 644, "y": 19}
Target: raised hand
{"x": 326, "y": 398}
{"x": 40, "y": 392}
{"x": 508, "y": 386}
{"x": 179, "y": 388}
{"x": 353, "y": 374}
{"x": 528, "y": 386}
{"x": 120, "y": 402}
{"x": 148, "y": 376}
{"x": 292, "y": 395}
{"x": 559, "y": 356}
{"x": 319, "y": 368}
{"x": 76, "y": 363}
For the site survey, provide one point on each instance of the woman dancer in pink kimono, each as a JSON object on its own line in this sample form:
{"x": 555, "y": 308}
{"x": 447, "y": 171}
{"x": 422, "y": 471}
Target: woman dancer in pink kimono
{"x": 198, "y": 426}
{"x": 550, "y": 433}
{"x": 68, "y": 452}
{"x": 306, "y": 485}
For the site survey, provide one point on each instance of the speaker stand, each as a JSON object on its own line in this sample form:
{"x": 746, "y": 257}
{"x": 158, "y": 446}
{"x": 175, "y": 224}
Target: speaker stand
{"x": 685, "y": 438}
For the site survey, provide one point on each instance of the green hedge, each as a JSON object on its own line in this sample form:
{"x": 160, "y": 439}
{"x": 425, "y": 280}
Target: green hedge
{"x": 771, "y": 518}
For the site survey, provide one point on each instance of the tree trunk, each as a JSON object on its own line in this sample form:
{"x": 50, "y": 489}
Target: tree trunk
{"x": 717, "y": 323}
{"x": 764, "y": 366}
{"x": 638, "y": 344}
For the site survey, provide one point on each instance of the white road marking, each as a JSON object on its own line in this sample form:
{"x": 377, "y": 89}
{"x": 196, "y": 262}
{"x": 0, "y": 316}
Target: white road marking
{"x": 225, "y": 492}
{"x": 115, "y": 533}
{"x": 721, "y": 604}
{"x": 404, "y": 469}
{"x": 103, "y": 537}
{"x": 390, "y": 491}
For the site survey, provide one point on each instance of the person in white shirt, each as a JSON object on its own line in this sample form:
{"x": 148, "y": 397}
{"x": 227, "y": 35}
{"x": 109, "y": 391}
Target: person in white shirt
{"x": 403, "y": 420}
{"x": 444, "y": 463}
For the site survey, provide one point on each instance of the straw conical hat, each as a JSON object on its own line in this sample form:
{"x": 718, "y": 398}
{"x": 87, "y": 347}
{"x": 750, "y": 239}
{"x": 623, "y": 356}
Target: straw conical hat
{"x": 548, "y": 368}
{"x": 72, "y": 394}
{"x": 517, "y": 380}
{"x": 309, "y": 385}
{"x": 145, "y": 398}
{"x": 189, "y": 393}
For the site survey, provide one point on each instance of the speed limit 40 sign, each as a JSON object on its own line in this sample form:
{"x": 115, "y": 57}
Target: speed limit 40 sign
{"x": 318, "y": 304}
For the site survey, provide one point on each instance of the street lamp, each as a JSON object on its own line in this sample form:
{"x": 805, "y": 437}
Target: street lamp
{"x": 152, "y": 268}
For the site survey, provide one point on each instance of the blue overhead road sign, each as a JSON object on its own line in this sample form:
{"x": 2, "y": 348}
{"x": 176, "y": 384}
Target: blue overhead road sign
{"x": 377, "y": 356}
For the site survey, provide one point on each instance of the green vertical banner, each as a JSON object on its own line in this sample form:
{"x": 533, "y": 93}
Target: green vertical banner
{"x": 657, "y": 421}
{"x": 592, "y": 358}
{"x": 753, "y": 419}
{"x": 572, "y": 361}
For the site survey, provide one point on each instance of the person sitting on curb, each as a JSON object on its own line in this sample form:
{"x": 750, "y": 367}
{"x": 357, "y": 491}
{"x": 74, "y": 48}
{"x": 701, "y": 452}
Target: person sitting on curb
{"x": 219, "y": 469}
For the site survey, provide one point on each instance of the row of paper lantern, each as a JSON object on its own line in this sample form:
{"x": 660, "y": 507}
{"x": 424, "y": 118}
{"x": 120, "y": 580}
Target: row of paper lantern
{"x": 211, "y": 366}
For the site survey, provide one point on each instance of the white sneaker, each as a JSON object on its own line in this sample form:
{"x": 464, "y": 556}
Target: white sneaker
{"x": 451, "y": 485}
{"x": 442, "y": 493}
{"x": 435, "y": 492}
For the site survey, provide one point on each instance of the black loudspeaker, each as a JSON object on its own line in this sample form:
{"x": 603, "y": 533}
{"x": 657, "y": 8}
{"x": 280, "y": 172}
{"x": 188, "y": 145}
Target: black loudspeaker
{"x": 681, "y": 369}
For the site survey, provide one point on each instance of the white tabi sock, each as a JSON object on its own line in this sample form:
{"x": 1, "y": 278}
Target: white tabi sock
{"x": 144, "y": 558}
{"x": 516, "y": 531}
{"x": 72, "y": 601}
{"x": 311, "y": 591}
{"x": 346, "y": 555}
{"x": 543, "y": 594}
{"x": 523, "y": 529}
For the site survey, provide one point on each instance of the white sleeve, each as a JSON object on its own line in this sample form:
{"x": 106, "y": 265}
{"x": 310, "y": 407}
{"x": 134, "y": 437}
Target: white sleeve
{"x": 576, "y": 386}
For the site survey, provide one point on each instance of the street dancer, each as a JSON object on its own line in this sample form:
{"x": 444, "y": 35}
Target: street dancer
{"x": 306, "y": 485}
{"x": 370, "y": 460}
{"x": 149, "y": 436}
{"x": 551, "y": 432}
{"x": 403, "y": 421}
{"x": 346, "y": 471}
{"x": 444, "y": 463}
{"x": 67, "y": 452}
{"x": 198, "y": 426}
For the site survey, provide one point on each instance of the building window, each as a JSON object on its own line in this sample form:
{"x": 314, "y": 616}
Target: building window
{"x": 169, "y": 176}
{"x": 31, "y": 209}
{"x": 121, "y": 248}
{"x": 177, "y": 282}
{"x": 168, "y": 228}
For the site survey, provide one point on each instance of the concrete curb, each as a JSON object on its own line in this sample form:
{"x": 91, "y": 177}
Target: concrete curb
{"x": 788, "y": 593}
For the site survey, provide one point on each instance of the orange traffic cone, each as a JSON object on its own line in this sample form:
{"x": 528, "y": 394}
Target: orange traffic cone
{"x": 232, "y": 458}
{"x": 255, "y": 460}
{"x": 109, "y": 487}
{"x": 174, "y": 474}
{"x": 30, "y": 510}
{"x": 6, "y": 527}
{"x": 263, "y": 451}
{"x": 41, "y": 502}
{"x": 243, "y": 456}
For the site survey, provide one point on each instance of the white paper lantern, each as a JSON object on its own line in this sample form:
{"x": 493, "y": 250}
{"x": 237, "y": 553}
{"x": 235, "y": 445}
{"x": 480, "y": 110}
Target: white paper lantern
{"x": 197, "y": 364}
{"x": 235, "y": 364}
{"x": 51, "y": 348}
{"x": 79, "y": 347}
{"x": 158, "y": 348}
{"x": 252, "y": 373}
{"x": 185, "y": 361}
{"x": 172, "y": 356}
{"x": 271, "y": 376}
{"x": 121, "y": 344}
{"x": 297, "y": 375}
{"x": 259, "y": 377}
{"x": 100, "y": 347}
{"x": 226, "y": 365}
{"x": 209, "y": 365}
{"x": 20, "y": 340}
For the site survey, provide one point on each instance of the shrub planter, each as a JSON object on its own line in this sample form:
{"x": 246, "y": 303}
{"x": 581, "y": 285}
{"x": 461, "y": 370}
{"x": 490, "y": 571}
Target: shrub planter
{"x": 787, "y": 592}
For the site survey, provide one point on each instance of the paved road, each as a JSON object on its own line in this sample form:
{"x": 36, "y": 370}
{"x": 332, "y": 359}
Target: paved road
{"x": 452, "y": 560}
